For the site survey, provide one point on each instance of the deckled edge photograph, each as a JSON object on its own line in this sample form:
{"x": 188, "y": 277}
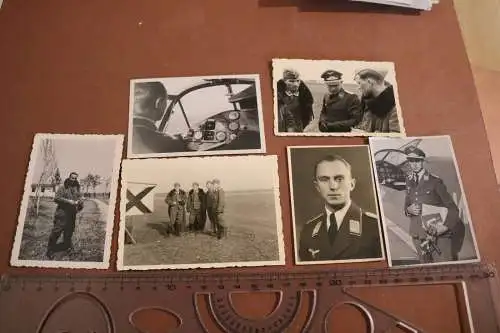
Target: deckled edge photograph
{"x": 329, "y": 153}
{"x": 42, "y": 221}
{"x": 301, "y": 87}
{"x": 158, "y": 226}
{"x": 409, "y": 146}
{"x": 195, "y": 116}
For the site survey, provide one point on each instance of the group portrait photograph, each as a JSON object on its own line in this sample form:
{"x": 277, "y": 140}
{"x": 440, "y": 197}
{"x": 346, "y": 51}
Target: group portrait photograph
{"x": 336, "y": 98}
{"x": 200, "y": 212}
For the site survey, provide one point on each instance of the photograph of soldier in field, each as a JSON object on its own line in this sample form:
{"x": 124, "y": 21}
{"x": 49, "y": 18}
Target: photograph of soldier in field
{"x": 67, "y": 210}
{"x": 336, "y": 98}
{"x": 236, "y": 221}
{"x": 424, "y": 210}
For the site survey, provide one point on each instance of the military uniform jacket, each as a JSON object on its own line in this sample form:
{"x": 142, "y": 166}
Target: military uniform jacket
{"x": 340, "y": 112}
{"x": 357, "y": 238}
{"x": 146, "y": 139}
{"x": 218, "y": 200}
{"x": 431, "y": 190}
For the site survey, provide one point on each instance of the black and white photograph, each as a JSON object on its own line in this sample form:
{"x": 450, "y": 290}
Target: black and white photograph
{"x": 334, "y": 205}
{"x": 336, "y": 98}
{"x": 200, "y": 212}
{"x": 67, "y": 209}
{"x": 424, "y": 210}
{"x": 193, "y": 116}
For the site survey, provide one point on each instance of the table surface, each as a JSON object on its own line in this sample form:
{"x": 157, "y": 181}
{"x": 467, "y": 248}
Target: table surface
{"x": 65, "y": 68}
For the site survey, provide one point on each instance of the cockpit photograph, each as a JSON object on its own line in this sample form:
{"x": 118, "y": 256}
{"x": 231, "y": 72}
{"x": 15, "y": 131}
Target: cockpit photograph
{"x": 188, "y": 116}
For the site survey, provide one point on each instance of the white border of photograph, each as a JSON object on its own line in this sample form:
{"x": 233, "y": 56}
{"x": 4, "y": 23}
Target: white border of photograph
{"x": 261, "y": 150}
{"x": 278, "y": 64}
{"x": 292, "y": 208}
{"x": 14, "y": 261}
{"x": 464, "y": 197}
{"x": 279, "y": 223}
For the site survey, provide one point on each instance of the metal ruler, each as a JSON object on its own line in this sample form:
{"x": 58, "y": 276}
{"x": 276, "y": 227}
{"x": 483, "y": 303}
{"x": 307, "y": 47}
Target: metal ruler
{"x": 201, "y": 301}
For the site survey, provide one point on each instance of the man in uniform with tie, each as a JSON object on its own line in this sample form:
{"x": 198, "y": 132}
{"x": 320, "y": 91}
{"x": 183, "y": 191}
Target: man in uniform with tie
{"x": 341, "y": 110}
{"x": 343, "y": 231}
{"x": 434, "y": 242}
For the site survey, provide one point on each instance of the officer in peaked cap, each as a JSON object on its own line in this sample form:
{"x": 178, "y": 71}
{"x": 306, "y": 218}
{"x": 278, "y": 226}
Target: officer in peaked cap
{"x": 424, "y": 188}
{"x": 413, "y": 153}
{"x": 341, "y": 110}
{"x": 295, "y": 102}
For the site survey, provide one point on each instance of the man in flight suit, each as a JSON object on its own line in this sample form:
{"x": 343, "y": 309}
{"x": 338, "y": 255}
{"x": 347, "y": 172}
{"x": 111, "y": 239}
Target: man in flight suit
{"x": 196, "y": 207}
{"x": 69, "y": 202}
{"x": 422, "y": 187}
{"x": 150, "y": 101}
{"x": 343, "y": 231}
{"x": 341, "y": 110}
{"x": 176, "y": 200}
{"x": 295, "y": 102}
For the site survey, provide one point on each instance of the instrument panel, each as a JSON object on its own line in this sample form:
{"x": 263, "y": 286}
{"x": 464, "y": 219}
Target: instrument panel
{"x": 216, "y": 131}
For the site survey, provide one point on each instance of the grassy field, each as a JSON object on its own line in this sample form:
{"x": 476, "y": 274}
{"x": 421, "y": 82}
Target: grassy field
{"x": 88, "y": 238}
{"x": 252, "y": 236}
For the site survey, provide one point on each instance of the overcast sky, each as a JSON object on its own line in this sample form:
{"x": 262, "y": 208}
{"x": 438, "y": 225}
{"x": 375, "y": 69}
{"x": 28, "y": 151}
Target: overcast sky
{"x": 311, "y": 70}
{"x": 82, "y": 155}
{"x": 235, "y": 172}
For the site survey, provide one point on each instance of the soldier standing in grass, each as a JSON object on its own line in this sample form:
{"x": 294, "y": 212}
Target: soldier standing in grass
{"x": 209, "y": 203}
{"x": 217, "y": 210}
{"x": 196, "y": 207}
{"x": 176, "y": 200}
{"x": 69, "y": 202}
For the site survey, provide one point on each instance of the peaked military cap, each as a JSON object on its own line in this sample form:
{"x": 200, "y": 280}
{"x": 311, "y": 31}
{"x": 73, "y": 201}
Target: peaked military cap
{"x": 331, "y": 76}
{"x": 414, "y": 153}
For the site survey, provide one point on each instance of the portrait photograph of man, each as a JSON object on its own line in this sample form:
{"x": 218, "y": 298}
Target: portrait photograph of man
{"x": 67, "y": 210}
{"x": 334, "y": 205}
{"x": 424, "y": 209}
{"x": 200, "y": 212}
{"x": 336, "y": 98}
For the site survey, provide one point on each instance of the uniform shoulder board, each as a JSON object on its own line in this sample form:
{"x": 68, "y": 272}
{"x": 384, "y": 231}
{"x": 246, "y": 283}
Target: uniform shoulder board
{"x": 372, "y": 215}
{"x": 433, "y": 175}
{"x": 314, "y": 219}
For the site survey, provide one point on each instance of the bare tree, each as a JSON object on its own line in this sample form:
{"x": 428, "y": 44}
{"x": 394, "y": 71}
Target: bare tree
{"x": 48, "y": 171}
{"x": 95, "y": 181}
{"x": 87, "y": 183}
{"x": 107, "y": 190}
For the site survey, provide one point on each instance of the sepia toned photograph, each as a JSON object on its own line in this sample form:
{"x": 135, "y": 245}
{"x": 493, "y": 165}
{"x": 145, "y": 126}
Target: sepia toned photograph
{"x": 424, "y": 210}
{"x": 334, "y": 205}
{"x": 336, "y": 98}
{"x": 193, "y": 116}
{"x": 200, "y": 212}
{"x": 67, "y": 210}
